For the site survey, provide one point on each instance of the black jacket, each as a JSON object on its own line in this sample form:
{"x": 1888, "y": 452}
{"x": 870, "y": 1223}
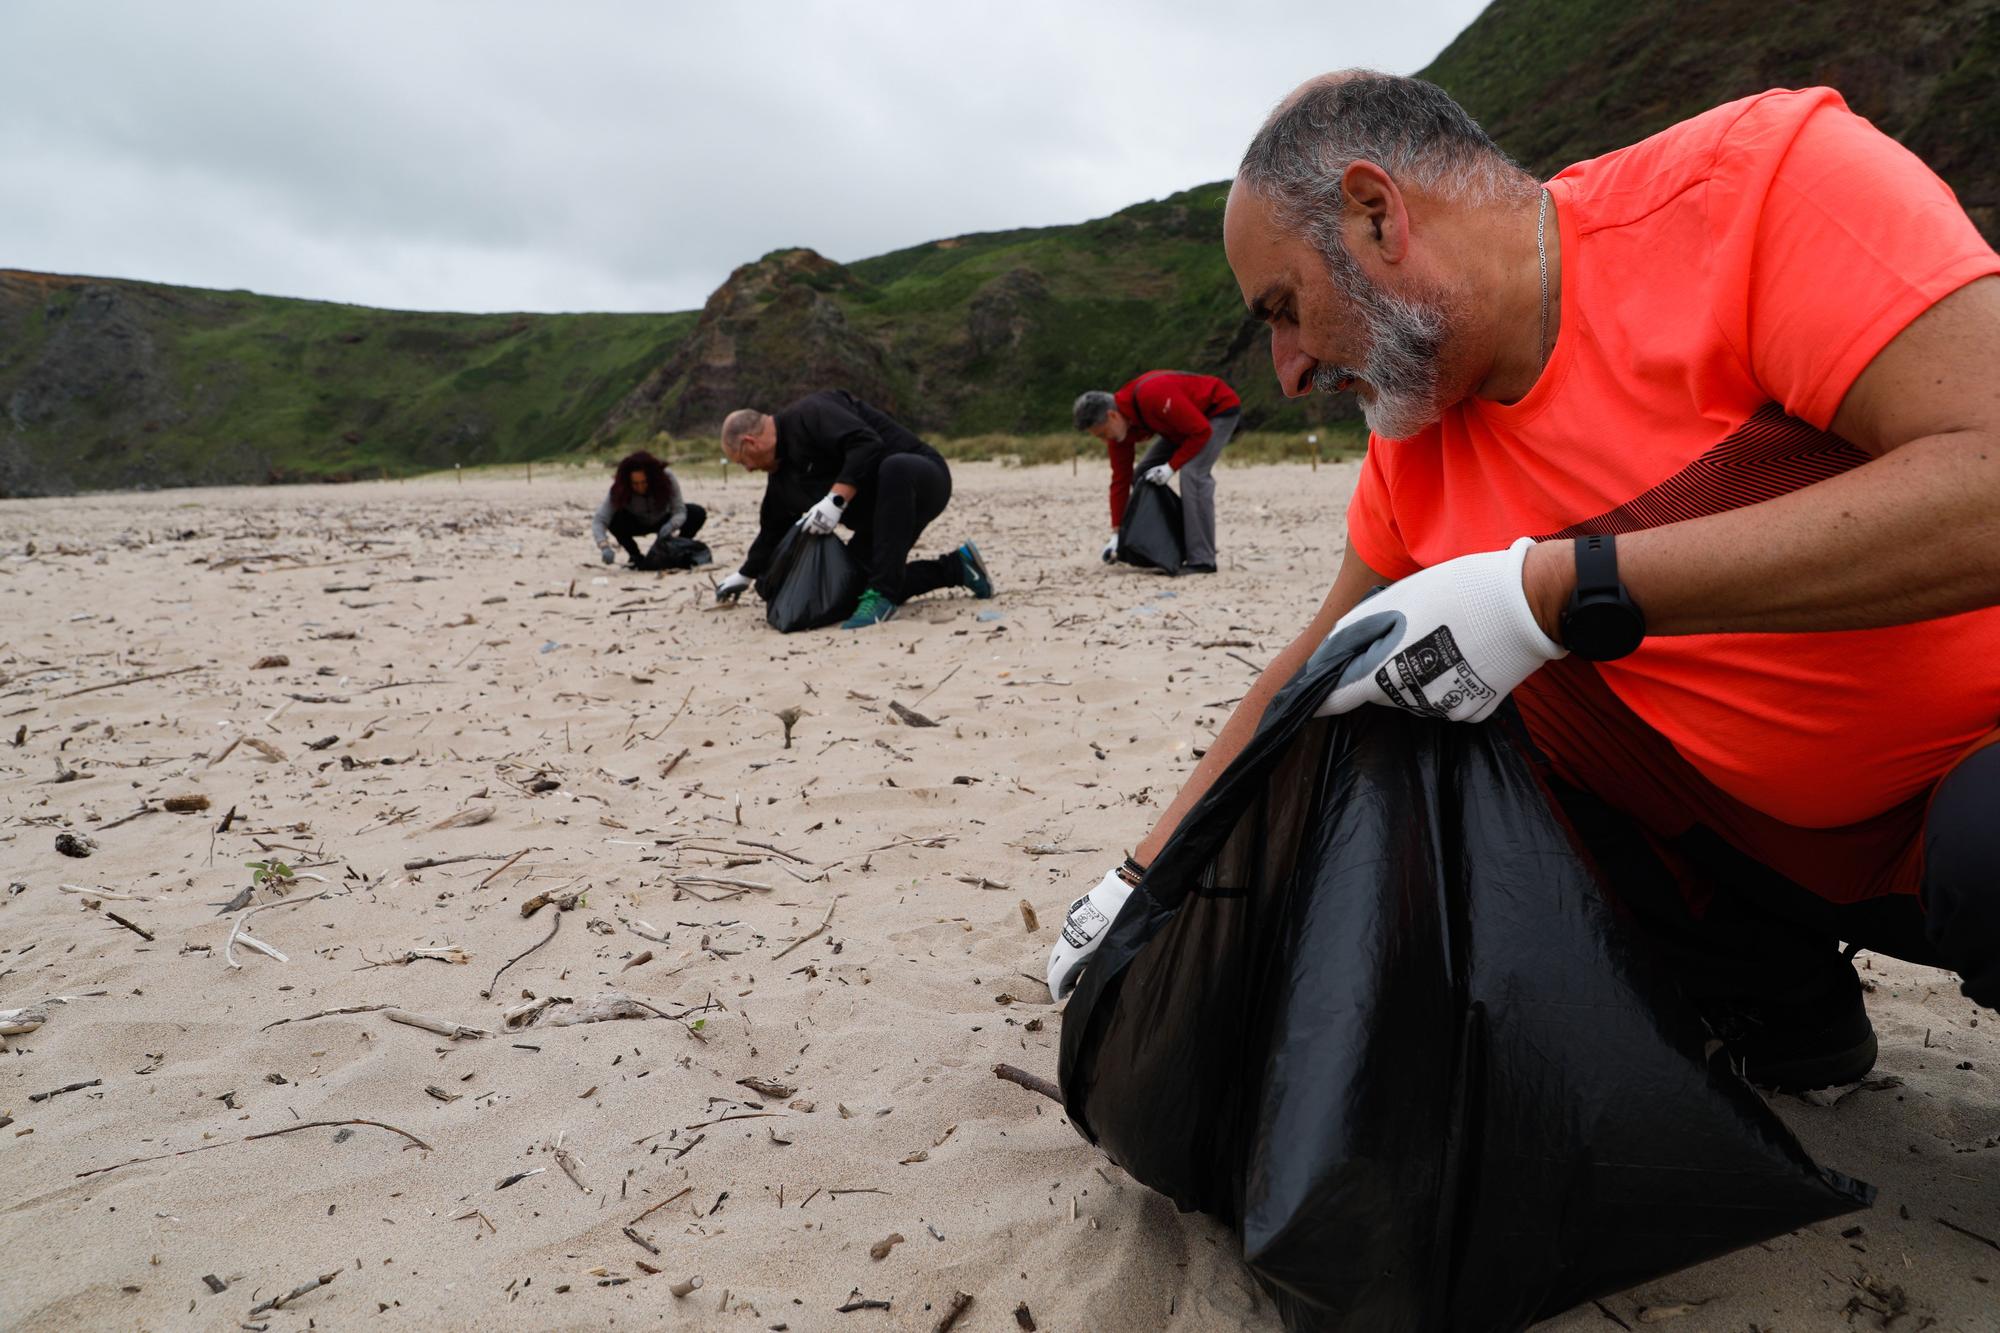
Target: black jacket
{"x": 825, "y": 438}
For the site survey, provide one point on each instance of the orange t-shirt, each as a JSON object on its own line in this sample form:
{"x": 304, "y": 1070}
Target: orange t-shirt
{"x": 1723, "y": 284}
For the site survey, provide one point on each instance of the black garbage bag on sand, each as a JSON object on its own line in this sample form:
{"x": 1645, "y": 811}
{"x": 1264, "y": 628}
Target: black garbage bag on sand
{"x": 1371, "y": 1008}
{"x": 1151, "y": 535}
{"x": 811, "y": 581}
{"x": 678, "y": 553}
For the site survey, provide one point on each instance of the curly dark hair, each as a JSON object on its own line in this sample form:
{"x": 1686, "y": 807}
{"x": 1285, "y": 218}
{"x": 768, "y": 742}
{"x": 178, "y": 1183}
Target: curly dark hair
{"x": 656, "y": 478}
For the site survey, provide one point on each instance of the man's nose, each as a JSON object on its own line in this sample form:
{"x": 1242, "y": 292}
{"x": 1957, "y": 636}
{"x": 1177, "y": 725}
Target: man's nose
{"x": 1293, "y": 366}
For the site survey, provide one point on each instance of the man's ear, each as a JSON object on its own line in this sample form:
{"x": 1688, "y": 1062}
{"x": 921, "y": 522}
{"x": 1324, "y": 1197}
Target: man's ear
{"x": 1377, "y": 217}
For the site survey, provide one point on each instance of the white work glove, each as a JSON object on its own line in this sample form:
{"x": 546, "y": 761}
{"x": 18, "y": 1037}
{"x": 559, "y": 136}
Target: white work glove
{"x": 1109, "y": 554}
{"x": 732, "y": 587}
{"x": 1083, "y": 930}
{"x": 1450, "y": 641}
{"x": 608, "y": 552}
{"x": 1160, "y": 474}
{"x": 823, "y": 517}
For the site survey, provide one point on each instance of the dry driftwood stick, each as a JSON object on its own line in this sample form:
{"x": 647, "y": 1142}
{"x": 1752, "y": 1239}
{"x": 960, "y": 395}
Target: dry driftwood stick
{"x": 238, "y": 935}
{"x": 443, "y": 1027}
{"x": 279, "y": 1302}
{"x": 98, "y": 1082}
{"x": 269, "y": 1134}
{"x": 128, "y": 680}
{"x": 16, "y": 1022}
{"x": 500, "y": 870}
{"x": 1983, "y": 1240}
{"x": 722, "y": 882}
{"x": 1032, "y": 1082}
{"x": 427, "y": 862}
{"x": 136, "y": 929}
{"x": 641, "y": 1241}
{"x": 322, "y": 1124}
{"x": 682, "y": 1194}
{"x": 554, "y": 926}
{"x": 146, "y": 809}
{"x": 856, "y": 1301}
{"x": 817, "y": 930}
{"x": 92, "y": 891}
{"x": 325, "y": 1013}
{"x": 959, "y": 1301}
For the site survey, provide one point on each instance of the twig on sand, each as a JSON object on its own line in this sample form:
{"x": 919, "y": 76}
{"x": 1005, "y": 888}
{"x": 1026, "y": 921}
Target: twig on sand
{"x": 325, "y": 1013}
{"x": 443, "y": 1027}
{"x": 1983, "y": 1240}
{"x": 279, "y": 1302}
{"x": 817, "y": 930}
{"x": 128, "y": 680}
{"x": 959, "y": 1301}
{"x": 96, "y": 1082}
{"x": 1032, "y": 1082}
{"x": 238, "y": 935}
{"x": 135, "y": 928}
{"x": 856, "y": 1301}
{"x": 554, "y": 926}
{"x": 249, "y": 1138}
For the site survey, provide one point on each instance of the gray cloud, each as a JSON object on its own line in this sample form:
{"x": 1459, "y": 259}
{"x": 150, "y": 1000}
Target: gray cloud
{"x": 614, "y": 155}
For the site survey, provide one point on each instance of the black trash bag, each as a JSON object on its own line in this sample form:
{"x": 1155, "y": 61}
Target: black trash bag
{"x": 811, "y": 581}
{"x": 1151, "y": 535}
{"x": 1371, "y": 1008}
{"x": 678, "y": 553}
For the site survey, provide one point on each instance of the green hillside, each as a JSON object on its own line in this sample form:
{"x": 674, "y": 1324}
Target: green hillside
{"x": 115, "y": 383}
{"x": 107, "y": 383}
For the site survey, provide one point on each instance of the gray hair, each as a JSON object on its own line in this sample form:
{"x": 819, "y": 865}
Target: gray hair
{"x": 1092, "y": 406}
{"x": 1409, "y": 128}
{"x": 738, "y": 424}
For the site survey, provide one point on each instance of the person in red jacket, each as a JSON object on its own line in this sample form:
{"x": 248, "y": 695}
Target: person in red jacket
{"x": 1189, "y": 418}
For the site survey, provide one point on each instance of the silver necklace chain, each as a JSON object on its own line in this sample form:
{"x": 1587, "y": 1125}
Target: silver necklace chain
{"x": 1542, "y": 255}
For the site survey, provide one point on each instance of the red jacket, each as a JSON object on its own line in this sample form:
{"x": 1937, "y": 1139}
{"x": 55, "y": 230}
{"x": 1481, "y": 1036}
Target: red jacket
{"x": 1170, "y": 403}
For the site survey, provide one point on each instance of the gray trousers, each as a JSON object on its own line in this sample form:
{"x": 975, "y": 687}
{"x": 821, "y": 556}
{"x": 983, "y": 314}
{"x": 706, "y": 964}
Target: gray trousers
{"x": 1197, "y": 485}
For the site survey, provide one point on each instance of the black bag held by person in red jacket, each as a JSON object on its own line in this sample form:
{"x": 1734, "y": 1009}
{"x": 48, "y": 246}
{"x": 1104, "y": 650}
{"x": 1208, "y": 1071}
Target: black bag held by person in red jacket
{"x": 1151, "y": 535}
{"x": 811, "y": 581}
{"x": 1372, "y": 1008}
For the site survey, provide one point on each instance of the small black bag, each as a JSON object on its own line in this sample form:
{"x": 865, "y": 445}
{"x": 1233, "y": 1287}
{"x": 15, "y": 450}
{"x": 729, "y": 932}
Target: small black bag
{"x": 1372, "y": 1008}
{"x": 678, "y": 553}
{"x": 1151, "y": 535}
{"x": 811, "y": 581}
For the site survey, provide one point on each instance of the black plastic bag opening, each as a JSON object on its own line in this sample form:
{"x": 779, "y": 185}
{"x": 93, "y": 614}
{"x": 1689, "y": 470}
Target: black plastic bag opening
{"x": 811, "y": 581}
{"x": 678, "y": 553}
{"x": 1152, "y": 535}
{"x": 1371, "y": 1007}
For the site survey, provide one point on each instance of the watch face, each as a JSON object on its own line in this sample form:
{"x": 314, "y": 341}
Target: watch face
{"x": 1602, "y": 631}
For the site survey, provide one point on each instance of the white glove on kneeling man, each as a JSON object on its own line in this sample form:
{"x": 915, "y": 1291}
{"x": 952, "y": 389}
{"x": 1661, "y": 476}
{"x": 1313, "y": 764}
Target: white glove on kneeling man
{"x": 1450, "y": 641}
{"x": 823, "y": 517}
{"x": 1083, "y": 930}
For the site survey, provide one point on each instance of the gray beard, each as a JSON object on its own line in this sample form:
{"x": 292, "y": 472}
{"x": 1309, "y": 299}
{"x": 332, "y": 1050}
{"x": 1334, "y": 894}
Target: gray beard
{"x": 1405, "y": 346}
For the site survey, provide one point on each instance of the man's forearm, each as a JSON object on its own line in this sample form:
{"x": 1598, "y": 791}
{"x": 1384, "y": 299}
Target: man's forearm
{"x": 1912, "y": 535}
{"x": 1349, "y": 587}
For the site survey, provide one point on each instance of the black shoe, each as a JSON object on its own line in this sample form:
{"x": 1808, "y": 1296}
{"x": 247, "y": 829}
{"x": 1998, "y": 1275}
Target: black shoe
{"x": 1190, "y": 567}
{"x": 1812, "y": 1036}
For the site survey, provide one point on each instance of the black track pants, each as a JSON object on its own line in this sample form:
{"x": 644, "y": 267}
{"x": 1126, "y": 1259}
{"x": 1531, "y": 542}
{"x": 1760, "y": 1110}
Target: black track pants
{"x": 911, "y": 490}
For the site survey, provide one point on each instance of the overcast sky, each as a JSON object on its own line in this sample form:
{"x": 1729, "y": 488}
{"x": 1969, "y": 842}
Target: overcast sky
{"x": 618, "y": 155}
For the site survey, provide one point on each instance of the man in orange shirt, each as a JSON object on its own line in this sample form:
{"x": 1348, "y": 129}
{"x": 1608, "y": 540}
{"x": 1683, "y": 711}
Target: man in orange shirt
{"x": 1694, "y": 451}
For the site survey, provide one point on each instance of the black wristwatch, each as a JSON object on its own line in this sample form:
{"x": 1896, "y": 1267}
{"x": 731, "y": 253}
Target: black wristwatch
{"x": 1602, "y": 622}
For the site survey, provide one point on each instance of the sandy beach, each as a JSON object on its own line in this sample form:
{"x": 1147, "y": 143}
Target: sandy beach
{"x": 829, "y": 943}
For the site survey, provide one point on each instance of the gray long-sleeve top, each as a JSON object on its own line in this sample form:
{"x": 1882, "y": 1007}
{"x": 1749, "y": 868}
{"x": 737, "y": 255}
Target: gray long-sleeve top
{"x": 659, "y": 512}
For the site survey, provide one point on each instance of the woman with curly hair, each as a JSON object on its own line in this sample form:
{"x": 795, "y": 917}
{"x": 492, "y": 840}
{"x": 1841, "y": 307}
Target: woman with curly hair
{"x": 644, "y": 499}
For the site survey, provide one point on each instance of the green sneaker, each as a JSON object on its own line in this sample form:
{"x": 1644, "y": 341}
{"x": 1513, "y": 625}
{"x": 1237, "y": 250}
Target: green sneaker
{"x": 873, "y": 610}
{"x": 976, "y": 577}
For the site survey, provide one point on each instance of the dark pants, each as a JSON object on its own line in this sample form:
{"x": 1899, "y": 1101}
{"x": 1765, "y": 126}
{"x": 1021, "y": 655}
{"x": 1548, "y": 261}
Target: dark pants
{"x": 1740, "y": 904}
{"x": 911, "y": 490}
{"x": 628, "y": 529}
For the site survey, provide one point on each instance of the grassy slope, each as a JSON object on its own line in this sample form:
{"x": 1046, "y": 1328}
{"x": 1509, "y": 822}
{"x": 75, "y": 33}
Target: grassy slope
{"x": 140, "y": 383}
{"x": 979, "y": 334}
